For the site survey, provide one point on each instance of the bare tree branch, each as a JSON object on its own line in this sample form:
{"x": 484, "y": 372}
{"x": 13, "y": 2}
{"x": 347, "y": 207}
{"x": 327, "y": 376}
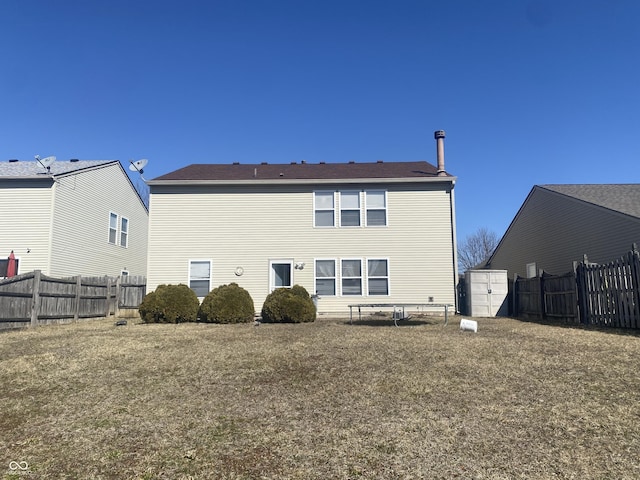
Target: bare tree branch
{"x": 476, "y": 248}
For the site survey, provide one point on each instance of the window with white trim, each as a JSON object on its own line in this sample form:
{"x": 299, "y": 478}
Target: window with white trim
{"x": 376, "y": 206}
{"x": 324, "y": 209}
{"x": 280, "y": 274}
{"x": 351, "y": 276}
{"x": 124, "y": 231}
{"x": 377, "y": 276}
{"x": 325, "y": 277}
{"x": 113, "y": 228}
{"x": 350, "y": 209}
{"x": 200, "y": 277}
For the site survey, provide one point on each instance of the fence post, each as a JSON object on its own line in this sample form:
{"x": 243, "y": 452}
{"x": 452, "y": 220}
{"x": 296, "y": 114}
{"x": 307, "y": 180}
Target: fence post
{"x": 35, "y": 304}
{"x": 108, "y": 297}
{"x": 635, "y": 280}
{"x": 515, "y": 295}
{"x": 76, "y": 313}
{"x": 116, "y": 307}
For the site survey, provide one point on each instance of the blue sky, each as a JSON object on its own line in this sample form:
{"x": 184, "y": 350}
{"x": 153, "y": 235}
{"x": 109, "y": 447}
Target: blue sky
{"x": 528, "y": 91}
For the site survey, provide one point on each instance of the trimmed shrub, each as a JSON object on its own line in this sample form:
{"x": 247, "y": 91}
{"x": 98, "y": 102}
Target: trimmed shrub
{"x": 227, "y": 304}
{"x": 290, "y": 305}
{"x": 169, "y": 304}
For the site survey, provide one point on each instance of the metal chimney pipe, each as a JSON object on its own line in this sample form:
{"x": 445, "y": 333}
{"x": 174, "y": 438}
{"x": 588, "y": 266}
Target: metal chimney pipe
{"x": 439, "y": 136}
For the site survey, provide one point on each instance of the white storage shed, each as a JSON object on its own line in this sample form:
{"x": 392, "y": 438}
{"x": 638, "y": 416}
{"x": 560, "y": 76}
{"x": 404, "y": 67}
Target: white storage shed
{"x": 487, "y": 292}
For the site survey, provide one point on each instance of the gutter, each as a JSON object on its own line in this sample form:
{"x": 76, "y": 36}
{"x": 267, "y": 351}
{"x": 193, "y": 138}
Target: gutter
{"x": 303, "y": 181}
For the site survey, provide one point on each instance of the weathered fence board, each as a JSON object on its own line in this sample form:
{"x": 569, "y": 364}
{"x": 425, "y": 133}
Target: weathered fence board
{"x": 595, "y": 294}
{"x": 33, "y": 298}
{"x": 610, "y": 292}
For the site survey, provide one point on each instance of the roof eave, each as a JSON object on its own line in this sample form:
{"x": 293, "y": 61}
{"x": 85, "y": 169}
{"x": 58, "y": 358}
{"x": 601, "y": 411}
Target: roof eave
{"x": 304, "y": 181}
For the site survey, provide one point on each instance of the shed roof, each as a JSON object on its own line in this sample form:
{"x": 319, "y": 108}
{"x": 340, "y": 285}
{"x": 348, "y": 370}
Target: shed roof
{"x": 33, "y": 169}
{"x": 623, "y": 198}
{"x": 301, "y": 171}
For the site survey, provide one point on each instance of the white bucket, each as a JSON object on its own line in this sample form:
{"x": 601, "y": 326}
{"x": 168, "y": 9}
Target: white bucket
{"x": 470, "y": 325}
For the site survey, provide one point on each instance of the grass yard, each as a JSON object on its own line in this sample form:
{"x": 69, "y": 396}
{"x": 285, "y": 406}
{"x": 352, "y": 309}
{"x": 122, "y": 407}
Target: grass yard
{"x": 326, "y": 400}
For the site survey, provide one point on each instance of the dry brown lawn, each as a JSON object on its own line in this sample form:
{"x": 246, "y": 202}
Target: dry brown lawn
{"x": 326, "y": 400}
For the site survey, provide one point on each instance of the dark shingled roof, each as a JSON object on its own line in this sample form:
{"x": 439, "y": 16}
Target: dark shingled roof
{"x": 302, "y": 171}
{"x": 623, "y": 198}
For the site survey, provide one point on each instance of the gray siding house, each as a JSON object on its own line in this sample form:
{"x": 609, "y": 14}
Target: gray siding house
{"x": 351, "y": 233}
{"x": 558, "y": 224}
{"x": 74, "y": 217}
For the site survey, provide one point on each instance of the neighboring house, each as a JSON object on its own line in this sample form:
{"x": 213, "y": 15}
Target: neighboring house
{"x": 351, "y": 233}
{"x": 76, "y": 217}
{"x": 558, "y": 224}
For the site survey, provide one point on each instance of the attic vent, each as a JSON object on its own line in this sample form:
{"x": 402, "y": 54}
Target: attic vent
{"x": 380, "y": 161}
{"x": 13, "y": 160}
{"x": 322, "y": 163}
{"x": 351, "y": 162}
{"x": 264, "y": 163}
{"x": 293, "y": 163}
{"x": 236, "y": 163}
{"x": 303, "y": 162}
{"x": 74, "y": 160}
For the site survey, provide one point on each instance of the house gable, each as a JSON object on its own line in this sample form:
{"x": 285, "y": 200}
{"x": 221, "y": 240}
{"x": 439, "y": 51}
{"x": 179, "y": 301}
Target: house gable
{"x": 558, "y": 224}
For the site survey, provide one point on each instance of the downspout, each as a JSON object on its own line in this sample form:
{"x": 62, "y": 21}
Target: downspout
{"x": 454, "y": 243}
{"x": 52, "y": 216}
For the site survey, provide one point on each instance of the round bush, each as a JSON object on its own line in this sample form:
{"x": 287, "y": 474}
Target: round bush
{"x": 227, "y": 304}
{"x": 291, "y": 305}
{"x": 169, "y": 304}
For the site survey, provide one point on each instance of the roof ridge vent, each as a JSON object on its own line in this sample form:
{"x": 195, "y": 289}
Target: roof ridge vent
{"x": 380, "y": 161}
{"x": 74, "y": 160}
{"x": 351, "y": 162}
{"x": 236, "y": 163}
{"x": 322, "y": 163}
{"x": 264, "y": 163}
{"x": 13, "y": 160}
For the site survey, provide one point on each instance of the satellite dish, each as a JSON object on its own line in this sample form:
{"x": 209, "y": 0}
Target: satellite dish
{"x": 46, "y": 162}
{"x": 138, "y": 165}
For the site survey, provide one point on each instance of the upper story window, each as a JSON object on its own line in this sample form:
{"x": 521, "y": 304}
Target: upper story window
{"x": 350, "y": 209}
{"x": 324, "y": 209}
{"x": 376, "y": 205}
{"x": 124, "y": 231}
{"x": 118, "y": 230}
{"x": 113, "y": 228}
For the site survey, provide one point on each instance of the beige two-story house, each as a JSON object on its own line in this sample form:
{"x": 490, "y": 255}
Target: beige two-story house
{"x": 349, "y": 233}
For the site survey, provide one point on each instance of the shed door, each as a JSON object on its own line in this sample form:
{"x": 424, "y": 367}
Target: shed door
{"x": 488, "y": 293}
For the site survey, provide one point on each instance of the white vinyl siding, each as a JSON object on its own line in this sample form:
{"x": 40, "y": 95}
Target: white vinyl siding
{"x": 200, "y": 277}
{"x": 25, "y": 224}
{"x": 83, "y": 204}
{"x": 257, "y": 223}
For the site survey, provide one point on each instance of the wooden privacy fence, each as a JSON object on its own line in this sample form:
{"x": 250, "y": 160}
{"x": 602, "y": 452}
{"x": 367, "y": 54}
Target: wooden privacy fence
{"x": 594, "y": 294}
{"x": 36, "y": 299}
